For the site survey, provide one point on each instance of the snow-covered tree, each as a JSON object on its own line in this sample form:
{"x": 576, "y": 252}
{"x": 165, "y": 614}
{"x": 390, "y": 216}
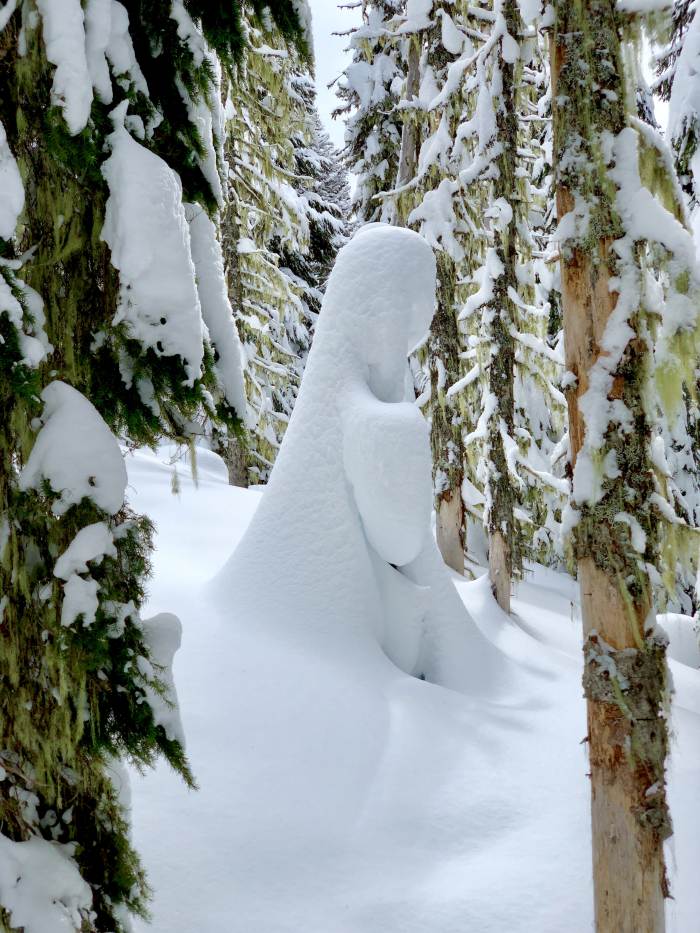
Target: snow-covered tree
{"x": 630, "y": 289}
{"x": 678, "y": 82}
{"x": 467, "y": 136}
{"x": 115, "y": 323}
{"x": 370, "y": 90}
{"x": 283, "y": 223}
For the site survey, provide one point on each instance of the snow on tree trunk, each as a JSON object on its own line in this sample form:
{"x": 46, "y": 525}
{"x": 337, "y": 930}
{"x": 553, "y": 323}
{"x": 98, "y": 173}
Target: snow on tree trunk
{"x": 606, "y": 218}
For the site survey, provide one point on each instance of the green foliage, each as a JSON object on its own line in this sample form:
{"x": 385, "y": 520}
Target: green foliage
{"x": 74, "y": 697}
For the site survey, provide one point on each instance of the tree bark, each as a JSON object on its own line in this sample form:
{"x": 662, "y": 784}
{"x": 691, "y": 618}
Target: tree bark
{"x": 625, "y": 676}
{"x": 504, "y": 540}
{"x": 499, "y": 569}
{"x": 446, "y": 439}
{"x": 408, "y": 158}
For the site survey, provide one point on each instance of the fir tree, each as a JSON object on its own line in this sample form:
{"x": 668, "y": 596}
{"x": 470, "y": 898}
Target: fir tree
{"x": 284, "y": 222}
{"x": 110, "y": 128}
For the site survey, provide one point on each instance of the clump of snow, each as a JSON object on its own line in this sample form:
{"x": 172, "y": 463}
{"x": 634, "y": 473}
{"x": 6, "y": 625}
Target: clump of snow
{"x": 11, "y": 189}
{"x": 63, "y": 25}
{"x": 163, "y": 636}
{"x": 41, "y": 887}
{"x": 146, "y": 230}
{"x": 216, "y": 306}
{"x": 33, "y": 341}
{"x": 76, "y": 453}
{"x": 91, "y": 543}
{"x": 108, "y": 42}
{"x": 80, "y": 600}
{"x": 303, "y": 11}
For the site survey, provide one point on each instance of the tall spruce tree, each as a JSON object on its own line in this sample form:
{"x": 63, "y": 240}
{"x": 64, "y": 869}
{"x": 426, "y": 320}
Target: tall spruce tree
{"x": 284, "y": 222}
{"x": 109, "y": 128}
{"x": 630, "y": 349}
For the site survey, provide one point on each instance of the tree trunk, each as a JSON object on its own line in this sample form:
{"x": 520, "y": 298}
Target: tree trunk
{"x": 450, "y": 529}
{"x": 445, "y": 423}
{"x": 234, "y": 455}
{"x": 504, "y": 544}
{"x": 409, "y": 133}
{"x": 500, "y": 569}
{"x": 625, "y": 677}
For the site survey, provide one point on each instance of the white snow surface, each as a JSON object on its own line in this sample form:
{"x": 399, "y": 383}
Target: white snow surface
{"x": 11, "y": 189}
{"x": 63, "y": 26}
{"x": 76, "y": 453}
{"x": 41, "y": 887}
{"x": 163, "y": 636}
{"x": 147, "y": 232}
{"x": 340, "y": 794}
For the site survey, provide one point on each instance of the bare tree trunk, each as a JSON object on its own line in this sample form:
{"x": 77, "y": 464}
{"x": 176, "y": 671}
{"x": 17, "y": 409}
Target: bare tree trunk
{"x": 499, "y": 569}
{"x": 445, "y": 424}
{"x": 504, "y": 541}
{"x": 625, "y": 677}
{"x": 450, "y": 529}
{"x": 232, "y": 448}
{"x": 409, "y": 134}
{"x": 233, "y": 453}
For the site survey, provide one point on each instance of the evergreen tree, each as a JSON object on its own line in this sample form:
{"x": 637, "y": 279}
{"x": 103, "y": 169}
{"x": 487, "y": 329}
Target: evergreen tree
{"x": 284, "y": 222}
{"x": 631, "y": 348}
{"x": 370, "y": 91}
{"x": 678, "y": 83}
{"x": 110, "y": 128}
{"x": 503, "y": 418}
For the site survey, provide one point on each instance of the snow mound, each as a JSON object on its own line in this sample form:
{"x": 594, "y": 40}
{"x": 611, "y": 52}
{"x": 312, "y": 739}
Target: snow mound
{"x": 350, "y": 494}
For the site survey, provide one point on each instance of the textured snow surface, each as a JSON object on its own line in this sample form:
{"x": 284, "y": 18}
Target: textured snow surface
{"x": 148, "y": 235}
{"x": 40, "y": 886}
{"x": 76, "y": 453}
{"x": 339, "y": 795}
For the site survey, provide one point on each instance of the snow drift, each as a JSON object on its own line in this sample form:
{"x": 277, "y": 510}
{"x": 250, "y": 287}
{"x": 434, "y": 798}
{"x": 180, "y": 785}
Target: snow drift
{"x": 341, "y": 544}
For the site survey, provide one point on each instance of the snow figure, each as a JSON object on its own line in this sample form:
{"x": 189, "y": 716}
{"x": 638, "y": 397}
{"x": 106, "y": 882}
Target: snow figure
{"x": 340, "y": 551}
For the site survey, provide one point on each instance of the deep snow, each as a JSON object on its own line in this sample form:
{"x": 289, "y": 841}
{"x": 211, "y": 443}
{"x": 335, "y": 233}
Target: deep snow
{"x": 339, "y": 797}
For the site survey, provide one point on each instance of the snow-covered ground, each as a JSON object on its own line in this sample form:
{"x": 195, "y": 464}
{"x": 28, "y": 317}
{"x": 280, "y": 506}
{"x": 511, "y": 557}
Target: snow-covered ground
{"x": 338, "y": 797}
